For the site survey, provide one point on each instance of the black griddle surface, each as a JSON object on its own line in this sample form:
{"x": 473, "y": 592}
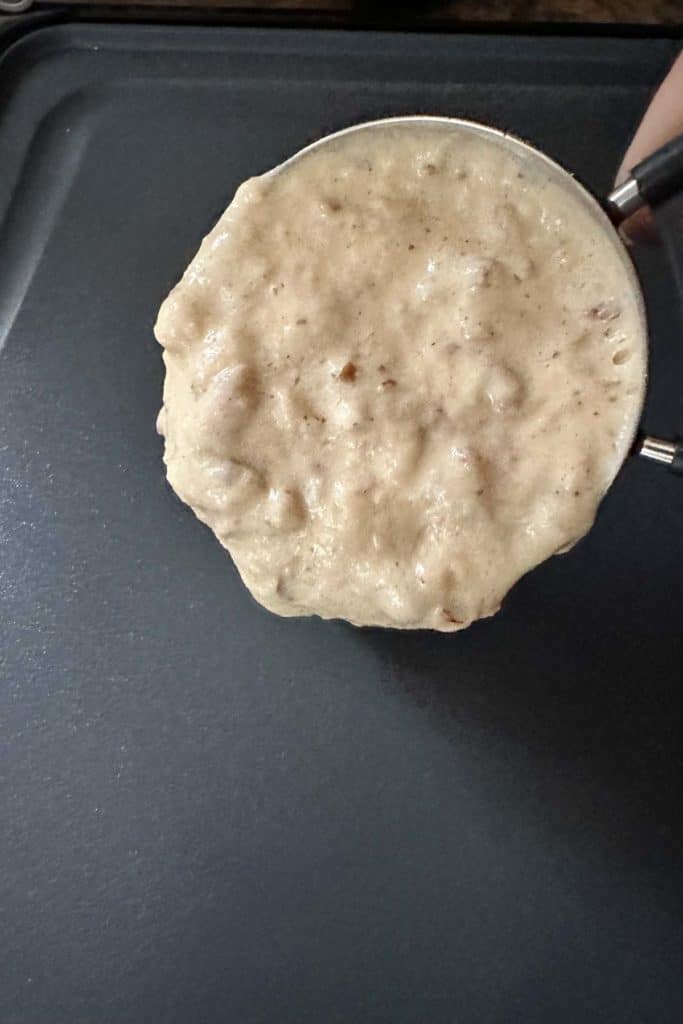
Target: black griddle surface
{"x": 208, "y": 814}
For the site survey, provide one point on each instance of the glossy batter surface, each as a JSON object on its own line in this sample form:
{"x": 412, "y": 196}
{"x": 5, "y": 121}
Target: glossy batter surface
{"x": 399, "y": 374}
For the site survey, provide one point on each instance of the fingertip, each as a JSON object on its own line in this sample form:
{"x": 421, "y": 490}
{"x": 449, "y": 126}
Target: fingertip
{"x": 640, "y": 229}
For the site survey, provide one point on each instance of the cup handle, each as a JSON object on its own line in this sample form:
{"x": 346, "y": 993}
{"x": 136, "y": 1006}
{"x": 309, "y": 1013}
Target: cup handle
{"x": 657, "y": 182}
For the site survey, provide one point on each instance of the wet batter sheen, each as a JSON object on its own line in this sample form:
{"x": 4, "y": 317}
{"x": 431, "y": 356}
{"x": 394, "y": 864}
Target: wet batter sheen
{"x": 399, "y": 374}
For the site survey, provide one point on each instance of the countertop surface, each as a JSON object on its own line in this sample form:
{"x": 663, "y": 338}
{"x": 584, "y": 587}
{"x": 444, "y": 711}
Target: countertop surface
{"x": 431, "y": 14}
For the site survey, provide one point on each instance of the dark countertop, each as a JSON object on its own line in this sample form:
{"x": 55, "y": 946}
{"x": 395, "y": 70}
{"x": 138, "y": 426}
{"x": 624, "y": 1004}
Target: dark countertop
{"x": 431, "y": 14}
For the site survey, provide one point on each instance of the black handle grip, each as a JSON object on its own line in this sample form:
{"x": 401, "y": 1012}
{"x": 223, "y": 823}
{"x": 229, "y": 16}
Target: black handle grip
{"x": 660, "y": 183}
{"x": 660, "y": 175}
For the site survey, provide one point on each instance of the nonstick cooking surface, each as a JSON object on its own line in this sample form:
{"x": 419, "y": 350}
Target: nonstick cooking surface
{"x": 210, "y": 814}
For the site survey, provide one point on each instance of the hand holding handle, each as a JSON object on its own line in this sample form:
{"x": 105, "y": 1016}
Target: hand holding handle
{"x": 654, "y": 180}
{"x": 657, "y": 181}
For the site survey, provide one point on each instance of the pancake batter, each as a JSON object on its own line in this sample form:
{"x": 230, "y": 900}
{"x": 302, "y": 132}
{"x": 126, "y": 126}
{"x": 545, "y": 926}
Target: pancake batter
{"x": 399, "y": 374}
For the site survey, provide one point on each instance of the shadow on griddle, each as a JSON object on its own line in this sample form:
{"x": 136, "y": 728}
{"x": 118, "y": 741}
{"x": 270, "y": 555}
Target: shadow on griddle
{"x": 588, "y": 721}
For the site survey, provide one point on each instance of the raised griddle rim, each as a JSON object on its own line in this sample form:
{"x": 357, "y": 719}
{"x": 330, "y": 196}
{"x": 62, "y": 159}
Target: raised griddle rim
{"x": 400, "y": 20}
